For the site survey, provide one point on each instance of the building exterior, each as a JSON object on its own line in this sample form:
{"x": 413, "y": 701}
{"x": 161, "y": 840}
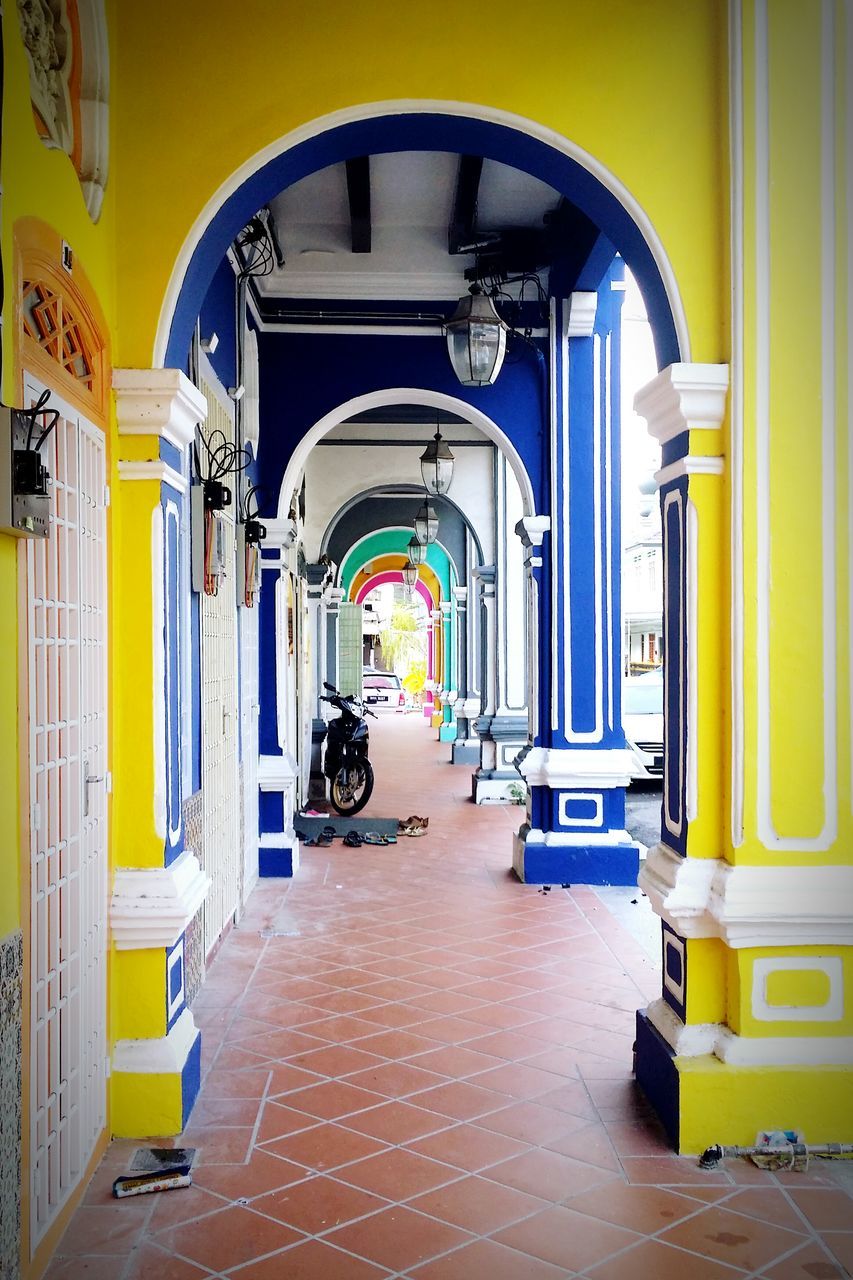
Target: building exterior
{"x": 160, "y": 727}
{"x": 642, "y": 596}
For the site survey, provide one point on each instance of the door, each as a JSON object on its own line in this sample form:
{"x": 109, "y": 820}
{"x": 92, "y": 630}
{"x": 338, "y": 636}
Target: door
{"x": 66, "y": 677}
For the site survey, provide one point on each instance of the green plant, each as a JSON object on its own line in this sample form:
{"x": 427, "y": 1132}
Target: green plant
{"x": 403, "y": 642}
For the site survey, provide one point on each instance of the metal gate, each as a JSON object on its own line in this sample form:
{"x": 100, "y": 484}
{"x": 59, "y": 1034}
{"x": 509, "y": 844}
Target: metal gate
{"x": 219, "y": 765}
{"x": 67, "y": 686}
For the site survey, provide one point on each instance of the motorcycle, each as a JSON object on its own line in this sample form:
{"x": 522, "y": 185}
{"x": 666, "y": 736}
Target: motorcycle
{"x": 346, "y": 765}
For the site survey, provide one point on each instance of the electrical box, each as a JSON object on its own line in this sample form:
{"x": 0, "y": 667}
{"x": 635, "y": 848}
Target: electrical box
{"x": 250, "y": 535}
{"x": 208, "y": 543}
{"x": 24, "y": 479}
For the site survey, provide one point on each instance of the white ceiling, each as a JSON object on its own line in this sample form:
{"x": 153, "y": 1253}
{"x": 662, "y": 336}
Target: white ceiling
{"x": 412, "y": 195}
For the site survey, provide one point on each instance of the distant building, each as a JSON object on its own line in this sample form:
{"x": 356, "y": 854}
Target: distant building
{"x": 642, "y": 599}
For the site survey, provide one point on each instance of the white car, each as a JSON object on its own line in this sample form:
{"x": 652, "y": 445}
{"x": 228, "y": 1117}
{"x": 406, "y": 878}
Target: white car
{"x": 383, "y": 689}
{"x": 642, "y": 720}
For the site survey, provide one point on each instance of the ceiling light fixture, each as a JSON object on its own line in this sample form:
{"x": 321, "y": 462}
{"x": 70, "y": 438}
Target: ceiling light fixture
{"x": 410, "y": 575}
{"x": 437, "y": 464}
{"x": 426, "y": 524}
{"x": 476, "y": 339}
{"x": 417, "y": 550}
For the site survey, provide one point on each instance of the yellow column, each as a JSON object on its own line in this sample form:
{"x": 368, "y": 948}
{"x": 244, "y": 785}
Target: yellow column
{"x": 754, "y": 1029}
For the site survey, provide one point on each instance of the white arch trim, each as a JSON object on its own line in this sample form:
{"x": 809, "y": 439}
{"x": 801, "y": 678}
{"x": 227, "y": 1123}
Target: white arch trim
{"x": 389, "y": 528}
{"x": 418, "y": 106}
{"x": 403, "y": 395}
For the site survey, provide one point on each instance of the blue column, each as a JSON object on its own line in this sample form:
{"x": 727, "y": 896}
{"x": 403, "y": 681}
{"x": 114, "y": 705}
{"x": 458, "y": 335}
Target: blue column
{"x": 278, "y": 847}
{"x": 577, "y": 767}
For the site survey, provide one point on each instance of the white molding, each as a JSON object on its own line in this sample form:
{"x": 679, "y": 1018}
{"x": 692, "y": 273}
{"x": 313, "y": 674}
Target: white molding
{"x": 675, "y": 824}
{"x": 532, "y": 529}
{"x": 158, "y": 402}
{"x": 468, "y": 709}
{"x": 827, "y": 793}
{"x": 276, "y": 773}
{"x": 750, "y": 906}
{"x": 151, "y": 907}
{"x": 460, "y": 595}
{"x": 830, "y": 966}
{"x": 597, "y": 819}
{"x": 562, "y": 769}
{"x": 152, "y": 469}
{"x": 736, "y": 422}
{"x": 581, "y": 317}
{"x": 166, "y": 1055}
{"x": 691, "y": 465}
{"x": 281, "y": 531}
{"x": 684, "y": 397}
{"x": 697, "y": 1040}
{"x": 415, "y": 107}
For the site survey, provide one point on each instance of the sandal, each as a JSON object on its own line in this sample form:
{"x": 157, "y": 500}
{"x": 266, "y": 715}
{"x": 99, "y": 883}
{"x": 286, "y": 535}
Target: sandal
{"x": 353, "y": 840}
{"x": 323, "y": 839}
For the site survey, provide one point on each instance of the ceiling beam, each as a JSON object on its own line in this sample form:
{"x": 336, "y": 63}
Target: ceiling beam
{"x": 358, "y": 191}
{"x": 460, "y": 233}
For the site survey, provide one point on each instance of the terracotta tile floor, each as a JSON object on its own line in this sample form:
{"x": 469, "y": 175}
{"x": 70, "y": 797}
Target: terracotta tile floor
{"x": 417, "y": 1067}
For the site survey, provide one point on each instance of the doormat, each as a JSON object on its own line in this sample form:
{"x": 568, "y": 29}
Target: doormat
{"x": 311, "y": 827}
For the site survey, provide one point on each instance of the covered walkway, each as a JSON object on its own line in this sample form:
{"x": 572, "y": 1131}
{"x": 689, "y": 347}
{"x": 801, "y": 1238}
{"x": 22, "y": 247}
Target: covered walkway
{"x": 418, "y": 1067}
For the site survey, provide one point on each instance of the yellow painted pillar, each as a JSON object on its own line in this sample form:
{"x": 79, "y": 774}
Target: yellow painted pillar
{"x": 158, "y": 884}
{"x": 754, "y": 1029}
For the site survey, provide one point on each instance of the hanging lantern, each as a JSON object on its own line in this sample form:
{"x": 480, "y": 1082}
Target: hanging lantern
{"x": 426, "y": 524}
{"x": 410, "y": 575}
{"x": 476, "y": 339}
{"x": 417, "y": 551}
{"x": 437, "y": 465}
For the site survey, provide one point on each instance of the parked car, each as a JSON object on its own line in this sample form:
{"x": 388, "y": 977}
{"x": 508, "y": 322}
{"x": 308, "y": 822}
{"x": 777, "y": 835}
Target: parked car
{"x": 384, "y": 689}
{"x": 642, "y": 720}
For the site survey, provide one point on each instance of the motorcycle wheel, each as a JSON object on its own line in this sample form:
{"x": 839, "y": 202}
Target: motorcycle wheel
{"x": 352, "y": 788}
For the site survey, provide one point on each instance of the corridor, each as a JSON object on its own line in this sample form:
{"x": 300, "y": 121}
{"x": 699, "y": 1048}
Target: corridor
{"x": 416, "y": 1066}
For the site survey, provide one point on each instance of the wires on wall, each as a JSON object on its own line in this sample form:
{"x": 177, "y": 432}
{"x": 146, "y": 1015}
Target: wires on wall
{"x": 215, "y": 459}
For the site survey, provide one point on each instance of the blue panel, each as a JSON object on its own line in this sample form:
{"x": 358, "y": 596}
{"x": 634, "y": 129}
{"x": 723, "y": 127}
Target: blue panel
{"x": 275, "y": 862}
{"x": 674, "y": 959}
{"x": 172, "y": 456}
{"x": 268, "y": 744}
{"x": 218, "y": 314}
{"x": 195, "y": 680}
{"x": 657, "y": 1076}
{"x": 583, "y": 810}
{"x": 581, "y": 864}
{"x": 675, "y": 621}
{"x": 423, "y": 132}
{"x": 678, "y": 447}
{"x": 270, "y": 811}
{"x": 191, "y": 1079}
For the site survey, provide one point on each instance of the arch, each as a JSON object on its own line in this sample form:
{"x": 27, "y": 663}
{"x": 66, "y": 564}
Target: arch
{"x": 362, "y": 545}
{"x": 394, "y": 575}
{"x": 404, "y": 491}
{"x": 431, "y": 578}
{"x": 425, "y": 125}
{"x": 403, "y": 395}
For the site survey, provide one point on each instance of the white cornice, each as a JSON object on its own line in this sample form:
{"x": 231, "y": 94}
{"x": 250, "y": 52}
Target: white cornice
{"x": 276, "y": 773}
{"x": 582, "y": 309}
{"x": 165, "y": 1055}
{"x": 532, "y": 529}
{"x": 158, "y": 402}
{"x": 460, "y": 595}
{"x": 750, "y": 906}
{"x": 281, "y": 531}
{"x": 578, "y": 839}
{"x": 691, "y": 465}
{"x": 152, "y": 469}
{"x": 151, "y": 907}
{"x": 564, "y": 769}
{"x": 684, "y": 397}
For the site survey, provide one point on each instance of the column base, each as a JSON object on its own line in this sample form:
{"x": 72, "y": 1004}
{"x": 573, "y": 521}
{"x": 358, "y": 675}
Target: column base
{"x": 558, "y": 857}
{"x": 447, "y": 731}
{"x": 465, "y": 751}
{"x": 155, "y": 1082}
{"x": 497, "y": 786}
{"x": 278, "y": 855}
{"x": 702, "y": 1101}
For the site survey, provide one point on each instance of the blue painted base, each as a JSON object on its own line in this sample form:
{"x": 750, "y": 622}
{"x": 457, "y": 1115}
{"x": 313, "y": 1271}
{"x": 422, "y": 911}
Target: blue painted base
{"x": 536, "y": 863}
{"x": 465, "y": 753}
{"x": 447, "y": 732}
{"x": 276, "y": 862}
{"x": 657, "y": 1075}
{"x": 191, "y": 1079}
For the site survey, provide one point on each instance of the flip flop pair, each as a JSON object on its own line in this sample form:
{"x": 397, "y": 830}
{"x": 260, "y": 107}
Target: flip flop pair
{"x": 323, "y": 838}
{"x": 353, "y": 840}
{"x": 373, "y": 837}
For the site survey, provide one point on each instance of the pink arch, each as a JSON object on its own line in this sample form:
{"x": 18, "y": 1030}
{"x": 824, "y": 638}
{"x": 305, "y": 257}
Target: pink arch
{"x": 394, "y": 575}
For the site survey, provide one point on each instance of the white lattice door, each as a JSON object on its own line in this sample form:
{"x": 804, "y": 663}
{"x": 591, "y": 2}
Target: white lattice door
{"x": 67, "y": 684}
{"x": 219, "y": 729}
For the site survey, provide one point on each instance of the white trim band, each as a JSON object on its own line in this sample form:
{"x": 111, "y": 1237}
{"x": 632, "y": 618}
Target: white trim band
{"x": 750, "y": 906}
{"x": 152, "y": 469}
{"x": 164, "y": 1056}
{"x": 703, "y": 1039}
{"x": 563, "y": 769}
{"x": 276, "y": 773}
{"x": 151, "y": 907}
{"x": 691, "y": 465}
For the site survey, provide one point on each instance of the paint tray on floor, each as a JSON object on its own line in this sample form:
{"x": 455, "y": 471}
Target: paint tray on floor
{"x": 156, "y": 1169}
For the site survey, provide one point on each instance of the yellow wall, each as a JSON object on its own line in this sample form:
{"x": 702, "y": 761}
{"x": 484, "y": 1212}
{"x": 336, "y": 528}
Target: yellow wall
{"x": 640, "y": 88}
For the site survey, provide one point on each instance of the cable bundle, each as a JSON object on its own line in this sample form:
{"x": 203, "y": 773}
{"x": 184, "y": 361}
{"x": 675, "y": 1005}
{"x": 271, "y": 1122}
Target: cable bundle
{"x": 32, "y": 415}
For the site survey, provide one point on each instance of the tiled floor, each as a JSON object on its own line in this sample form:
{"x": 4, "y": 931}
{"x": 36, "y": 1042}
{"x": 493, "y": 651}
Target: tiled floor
{"x": 417, "y": 1067}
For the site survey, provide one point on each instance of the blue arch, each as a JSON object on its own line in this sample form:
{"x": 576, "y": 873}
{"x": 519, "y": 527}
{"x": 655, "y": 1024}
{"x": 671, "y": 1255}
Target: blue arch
{"x": 424, "y": 131}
